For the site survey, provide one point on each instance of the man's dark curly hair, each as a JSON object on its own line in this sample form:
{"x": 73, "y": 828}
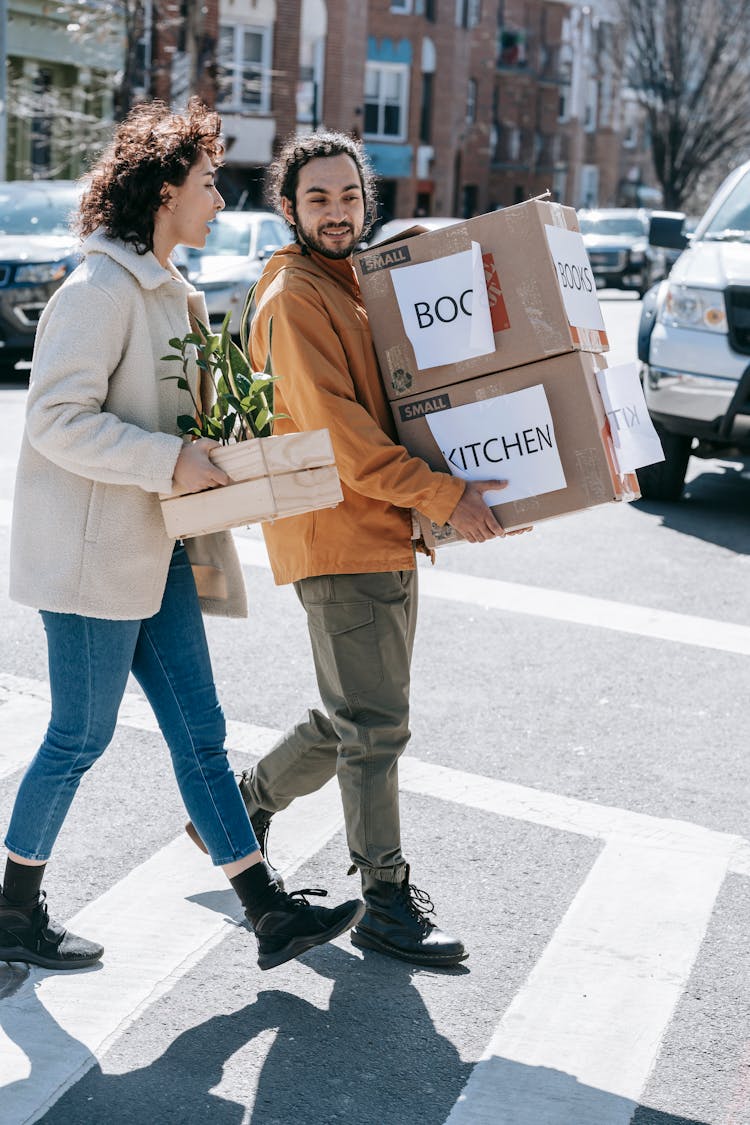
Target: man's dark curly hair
{"x": 283, "y": 175}
{"x": 152, "y": 147}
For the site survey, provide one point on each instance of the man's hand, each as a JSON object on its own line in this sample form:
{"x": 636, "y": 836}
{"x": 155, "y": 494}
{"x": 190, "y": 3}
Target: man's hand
{"x": 195, "y": 470}
{"x": 471, "y": 516}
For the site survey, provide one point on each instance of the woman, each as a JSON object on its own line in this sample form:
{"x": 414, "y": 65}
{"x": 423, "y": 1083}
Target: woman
{"x": 89, "y": 549}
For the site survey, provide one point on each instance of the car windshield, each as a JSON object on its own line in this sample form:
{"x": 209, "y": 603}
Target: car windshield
{"x": 625, "y": 227}
{"x": 36, "y": 211}
{"x": 731, "y": 223}
{"x": 232, "y": 234}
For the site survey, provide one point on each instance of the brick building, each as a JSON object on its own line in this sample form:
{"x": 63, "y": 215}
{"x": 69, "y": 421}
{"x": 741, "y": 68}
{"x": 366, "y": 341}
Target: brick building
{"x": 464, "y": 105}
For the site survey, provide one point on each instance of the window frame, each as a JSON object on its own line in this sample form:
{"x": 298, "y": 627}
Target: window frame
{"x": 405, "y": 70}
{"x": 235, "y": 104}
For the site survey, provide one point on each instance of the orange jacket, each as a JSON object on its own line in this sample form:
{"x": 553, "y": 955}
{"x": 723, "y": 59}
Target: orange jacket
{"x": 323, "y": 354}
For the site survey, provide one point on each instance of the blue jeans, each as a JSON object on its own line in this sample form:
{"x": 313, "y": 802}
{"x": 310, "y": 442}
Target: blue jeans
{"x": 89, "y": 662}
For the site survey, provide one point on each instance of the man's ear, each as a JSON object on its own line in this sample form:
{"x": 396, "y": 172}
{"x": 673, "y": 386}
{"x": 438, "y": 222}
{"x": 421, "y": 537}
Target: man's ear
{"x": 287, "y": 210}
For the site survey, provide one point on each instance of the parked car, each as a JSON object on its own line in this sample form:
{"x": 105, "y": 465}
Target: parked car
{"x": 395, "y": 227}
{"x": 694, "y": 339}
{"x": 616, "y": 240}
{"x": 232, "y": 260}
{"x": 37, "y": 252}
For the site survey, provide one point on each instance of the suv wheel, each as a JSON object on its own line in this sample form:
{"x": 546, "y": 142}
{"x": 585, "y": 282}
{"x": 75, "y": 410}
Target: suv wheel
{"x": 665, "y": 480}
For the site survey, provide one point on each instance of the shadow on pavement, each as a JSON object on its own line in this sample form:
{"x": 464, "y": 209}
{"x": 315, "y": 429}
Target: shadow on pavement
{"x": 372, "y": 1056}
{"x": 715, "y": 508}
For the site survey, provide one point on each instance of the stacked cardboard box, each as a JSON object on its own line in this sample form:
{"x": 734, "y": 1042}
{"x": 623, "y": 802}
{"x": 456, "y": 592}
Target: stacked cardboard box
{"x": 489, "y": 338}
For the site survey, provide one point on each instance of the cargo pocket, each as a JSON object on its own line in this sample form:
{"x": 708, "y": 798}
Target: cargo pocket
{"x": 346, "y": 641}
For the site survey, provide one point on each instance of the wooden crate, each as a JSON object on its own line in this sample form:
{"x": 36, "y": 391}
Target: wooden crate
{"x": 271, "y": 478}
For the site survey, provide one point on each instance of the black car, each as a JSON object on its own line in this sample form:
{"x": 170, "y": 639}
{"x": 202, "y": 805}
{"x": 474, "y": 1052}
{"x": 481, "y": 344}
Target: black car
{"x": 37, "y": 252}
{"x": 616, "y": 240}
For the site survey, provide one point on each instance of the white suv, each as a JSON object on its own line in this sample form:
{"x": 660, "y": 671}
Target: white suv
{"x": 694, "y": 339}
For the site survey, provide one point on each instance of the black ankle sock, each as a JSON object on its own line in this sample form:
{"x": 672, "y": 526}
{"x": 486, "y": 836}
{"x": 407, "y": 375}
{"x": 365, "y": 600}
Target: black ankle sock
{"x": 256, "y": 889}
{"x": 22, "y": 881}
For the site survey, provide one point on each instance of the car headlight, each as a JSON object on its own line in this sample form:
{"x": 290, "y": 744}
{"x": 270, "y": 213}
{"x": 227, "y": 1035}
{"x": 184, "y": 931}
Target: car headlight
{"x": 41, "y": 272}
{"x": 686, "y": 307}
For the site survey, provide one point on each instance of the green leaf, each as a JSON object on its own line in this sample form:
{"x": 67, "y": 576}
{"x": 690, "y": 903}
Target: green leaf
{"x": 175, "y": 342}
{"x": 238, "y": 360}
{"x": 171, "y": 358}
{"x": 187, "y": 422}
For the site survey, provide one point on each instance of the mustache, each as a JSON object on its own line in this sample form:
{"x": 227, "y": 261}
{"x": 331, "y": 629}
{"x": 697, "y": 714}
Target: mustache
{"x": 337, "y": 226}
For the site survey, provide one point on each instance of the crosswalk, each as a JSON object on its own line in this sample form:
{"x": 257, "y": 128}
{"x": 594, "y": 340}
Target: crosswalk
{"x": 591, "y": 1015}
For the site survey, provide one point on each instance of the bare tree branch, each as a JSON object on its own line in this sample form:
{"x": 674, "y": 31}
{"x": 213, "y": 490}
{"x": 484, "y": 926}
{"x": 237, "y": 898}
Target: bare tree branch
{"x": 688, "y": 63}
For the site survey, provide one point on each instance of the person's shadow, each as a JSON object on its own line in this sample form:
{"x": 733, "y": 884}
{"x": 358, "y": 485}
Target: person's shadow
{"x": 372, "y": 1055}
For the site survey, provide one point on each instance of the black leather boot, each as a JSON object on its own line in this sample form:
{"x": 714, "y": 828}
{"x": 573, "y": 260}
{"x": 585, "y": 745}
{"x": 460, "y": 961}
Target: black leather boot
{"x": 396, "y": 922}
{"x": 27, "y": 933}
{"x": 288, "y": 924}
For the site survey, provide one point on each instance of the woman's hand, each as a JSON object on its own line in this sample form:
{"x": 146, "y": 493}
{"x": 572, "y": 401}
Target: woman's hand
{"x": 195, "y": 470}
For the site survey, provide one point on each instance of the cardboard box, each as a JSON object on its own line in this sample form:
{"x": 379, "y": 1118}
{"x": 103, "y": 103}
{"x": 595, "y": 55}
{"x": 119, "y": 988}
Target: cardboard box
{"x": 271, "y": 478}
{"x": 540, "y": 295}
{"x": 554, "y": 438}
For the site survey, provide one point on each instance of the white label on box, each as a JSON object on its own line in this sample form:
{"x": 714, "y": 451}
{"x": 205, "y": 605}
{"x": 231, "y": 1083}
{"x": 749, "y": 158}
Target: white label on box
{"x": 508, "y": 437}
{"x": 445, "y": 308}
{"x": 635, "y": 439}
{"x": 575, "y": 278}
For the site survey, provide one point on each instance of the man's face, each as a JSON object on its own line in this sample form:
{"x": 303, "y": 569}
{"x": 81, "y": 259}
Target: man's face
{"x": 329, "y": 213}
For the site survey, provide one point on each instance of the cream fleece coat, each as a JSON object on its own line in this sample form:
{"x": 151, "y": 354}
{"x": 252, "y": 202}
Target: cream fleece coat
{"x": 101, "y": 442}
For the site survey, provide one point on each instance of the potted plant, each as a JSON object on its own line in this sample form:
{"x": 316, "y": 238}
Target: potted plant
{"x": 270, "y": 477}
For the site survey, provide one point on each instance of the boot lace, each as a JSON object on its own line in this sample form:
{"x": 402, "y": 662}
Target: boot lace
{"x": 419, "y": 904}
{"x": 297, "y": 898}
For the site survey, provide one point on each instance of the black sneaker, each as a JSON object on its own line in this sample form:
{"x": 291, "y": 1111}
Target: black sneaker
{"x": 260, "y": 821}
{"x": 293, "y": 925}
{"x": 397, "y": 923}
{"x": 27, "y": 933}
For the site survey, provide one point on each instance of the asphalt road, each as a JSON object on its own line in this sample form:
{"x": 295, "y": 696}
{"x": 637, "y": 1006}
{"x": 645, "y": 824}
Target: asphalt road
{"x": 575, "y": 800}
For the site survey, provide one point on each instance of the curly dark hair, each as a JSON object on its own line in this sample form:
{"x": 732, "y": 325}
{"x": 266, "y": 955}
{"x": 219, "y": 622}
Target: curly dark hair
{"x": 283, "y": 175}
{"x": 152, "y": 147}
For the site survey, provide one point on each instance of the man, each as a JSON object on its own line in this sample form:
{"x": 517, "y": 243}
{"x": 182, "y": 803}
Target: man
{"x": 353, "y": 566}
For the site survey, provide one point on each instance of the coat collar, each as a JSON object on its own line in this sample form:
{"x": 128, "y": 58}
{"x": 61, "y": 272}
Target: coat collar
{"x": 144, "y": 267}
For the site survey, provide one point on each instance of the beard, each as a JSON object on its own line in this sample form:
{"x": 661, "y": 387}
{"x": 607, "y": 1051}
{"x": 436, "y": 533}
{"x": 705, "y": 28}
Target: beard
{"x": 311, "y": 238}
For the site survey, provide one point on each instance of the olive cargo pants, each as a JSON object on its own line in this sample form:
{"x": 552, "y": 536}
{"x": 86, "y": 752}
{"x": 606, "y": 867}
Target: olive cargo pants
{"x": 362, "y": 633}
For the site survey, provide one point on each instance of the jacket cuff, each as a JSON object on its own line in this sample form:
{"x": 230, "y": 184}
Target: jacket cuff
{"x": 448, "y": 493}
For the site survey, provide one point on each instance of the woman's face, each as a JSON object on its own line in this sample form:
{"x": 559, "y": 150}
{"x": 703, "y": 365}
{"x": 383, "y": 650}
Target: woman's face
{"x": 190, "y": 207}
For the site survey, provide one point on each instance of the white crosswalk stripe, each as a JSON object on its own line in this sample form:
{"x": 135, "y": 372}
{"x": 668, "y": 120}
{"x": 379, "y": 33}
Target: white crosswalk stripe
{"x": 591, "y": 1014}
{"x": 554, "y": 605}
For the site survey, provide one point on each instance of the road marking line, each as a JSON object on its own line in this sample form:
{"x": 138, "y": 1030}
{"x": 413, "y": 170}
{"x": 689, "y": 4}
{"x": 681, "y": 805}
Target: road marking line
{"x": 553, "y": 605}
{"x": 557, "y": 605}
{"x": 592, "y": 1013}
{"x": 57, "y": 1025}
{"x": 504, "y": 798}
{"x": 579, "y": 1040}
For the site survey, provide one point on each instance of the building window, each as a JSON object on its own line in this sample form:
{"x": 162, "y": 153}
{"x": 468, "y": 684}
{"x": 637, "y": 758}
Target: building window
{"x": 244, "y": 71}
{"x": 511, "y": 46}
{"x": 41, "y": 123}
{"x": 590, "y": 114}
{"x": 403, "y": 6}
{"x": 425, "y": 119}
{"x": 589, "y": 185}
{"x": 386, "y": 101}
{"x": 468, "y": 13}
{"x": 563, "y": 111}
{"x": 471, "y": 101}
